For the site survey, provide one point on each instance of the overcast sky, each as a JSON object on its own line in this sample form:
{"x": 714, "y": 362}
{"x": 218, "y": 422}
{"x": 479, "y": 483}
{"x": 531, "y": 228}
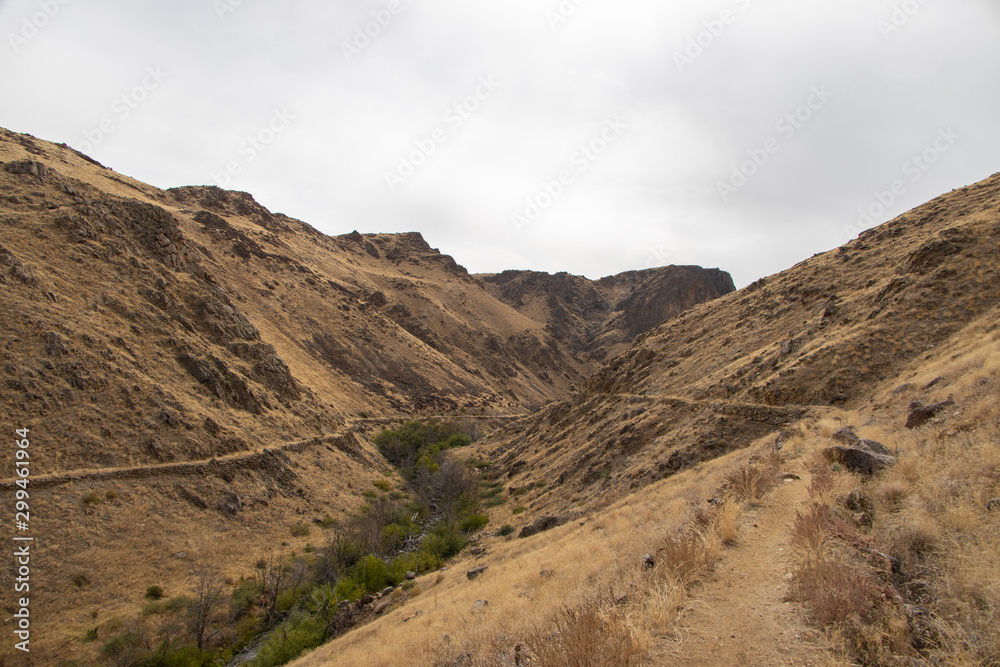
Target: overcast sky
{"x": 587, "y": 136}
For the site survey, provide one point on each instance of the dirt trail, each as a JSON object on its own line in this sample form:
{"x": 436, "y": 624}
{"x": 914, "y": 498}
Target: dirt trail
{"x": 740, "y": 617}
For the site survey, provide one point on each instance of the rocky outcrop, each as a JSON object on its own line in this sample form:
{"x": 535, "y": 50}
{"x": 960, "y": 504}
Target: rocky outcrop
{"x": 605, "y": 315}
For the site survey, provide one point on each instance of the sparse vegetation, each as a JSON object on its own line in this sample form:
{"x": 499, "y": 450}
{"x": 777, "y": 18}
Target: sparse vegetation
{"x": 91, "y": 498}
{"x": 154, "y": 592}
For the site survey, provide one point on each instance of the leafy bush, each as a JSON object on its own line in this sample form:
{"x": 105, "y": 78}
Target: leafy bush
{"x": 81, "y": 579}
{"x": 245, "y": 595}
{"x": 91, "y": 498}
{"x": 154, "y": 592}
{"x": 383, "y": 485}
{"x": 370, "y": 573}
{"x": 456, "y": 440}
{"x": 505, "y": 530}
{"x": 474, "y": 522}
{"x": 444, "y": 541}
{"x": 296, "y": 636}
{"x": 348, "y": 589}
{"x": 111, "y": 496}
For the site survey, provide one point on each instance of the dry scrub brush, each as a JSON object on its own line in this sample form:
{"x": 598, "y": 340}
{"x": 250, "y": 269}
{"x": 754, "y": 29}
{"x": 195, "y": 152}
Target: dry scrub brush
{"x": 922, "y": 579}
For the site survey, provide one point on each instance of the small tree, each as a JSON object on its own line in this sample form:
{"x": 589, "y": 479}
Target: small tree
{"x": 205, "y": 619}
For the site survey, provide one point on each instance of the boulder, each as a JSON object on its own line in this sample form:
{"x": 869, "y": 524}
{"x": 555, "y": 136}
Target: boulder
{"x": 859, "y": 459}
{"x": 541, "y": 525}
{"x": 474, "y": 573}
{"x": 920, "y": 414}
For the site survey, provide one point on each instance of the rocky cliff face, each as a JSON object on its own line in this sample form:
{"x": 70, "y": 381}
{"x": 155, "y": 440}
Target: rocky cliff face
{"x": 605, "y": 316}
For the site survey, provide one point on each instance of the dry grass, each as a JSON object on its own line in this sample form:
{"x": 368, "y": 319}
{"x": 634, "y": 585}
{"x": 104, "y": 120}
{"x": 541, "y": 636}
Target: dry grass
{"x": 750, "y": 483}
{"x": 594, "y": 632}
{"x": 728, "y": 519}
{"x": 941, "y": 599}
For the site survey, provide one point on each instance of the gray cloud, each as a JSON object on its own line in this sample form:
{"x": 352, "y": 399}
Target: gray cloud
{"x": 651, "y": 197}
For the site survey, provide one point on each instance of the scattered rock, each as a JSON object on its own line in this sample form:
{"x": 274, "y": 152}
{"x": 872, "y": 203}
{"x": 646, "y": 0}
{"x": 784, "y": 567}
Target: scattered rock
{"x": 993, "y": 505}
{"x": 410, "y": 576}
{"x": 541, "y": 525}
{"x": 344, "y": 604}
{"x": 181, "y": 555}
{"x": 387, "y": 591}
{"x": 191, "y": 497}
{"x": 478, "y": 551}
{"x": 859, "y": 459}
{"x": 382, "y": 606}
{"x": 546, "y": 574}
{"x": 920, "y": 414}
{"x": 480, "y": 605}
{"x": 475, "y": 572}
{"x": 788, "y": 476}
{"x": 649, "y": 562}
{"x": 366, "y": 600}
{"x": 935, "y": 382}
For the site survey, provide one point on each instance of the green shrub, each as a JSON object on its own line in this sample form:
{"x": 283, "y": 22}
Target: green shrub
{"x": 456, "y": 440}
{"x": 327, "y": 521}
{"x": 444, "y": 541}
{"x": 154, "y": 592}
{"x": 91, "y": 634}
{"x": 81, "y": 579}
{"x": 111, "y": 496}
{"x": 518, "y": 510}
{"x": 300, "y": 530}
{"x": 348, "y": 589}
{"x": 495, "y": 501}
{"x": 91, "y": 498}
{"x": 382, "y": 485}
{"x": 294, "y": 638}
{"x": 505, "y": 530}
{"x": 369, "y": 494}
{"x": 245, "y": 595}
{"x": 370, "y": 573}
{"x": 394, "y": 534}
{"x": 474, "y": 522}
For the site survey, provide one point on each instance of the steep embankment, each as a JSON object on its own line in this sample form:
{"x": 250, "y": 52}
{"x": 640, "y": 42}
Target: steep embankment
{"x": 822, "y": 333}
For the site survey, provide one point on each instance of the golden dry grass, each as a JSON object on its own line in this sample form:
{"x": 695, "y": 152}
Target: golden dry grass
{"x": 941, "y": 600}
